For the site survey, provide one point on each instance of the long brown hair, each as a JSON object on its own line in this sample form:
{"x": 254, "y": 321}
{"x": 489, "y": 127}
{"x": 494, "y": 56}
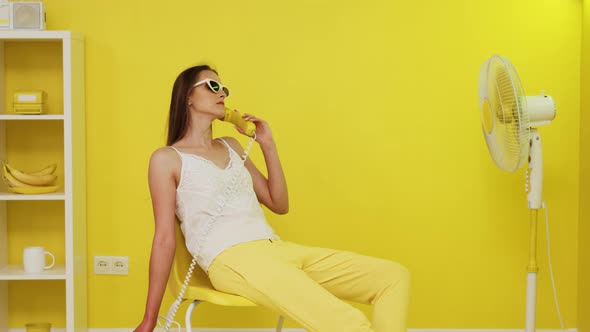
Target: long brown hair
{"x": 178, "y": 119}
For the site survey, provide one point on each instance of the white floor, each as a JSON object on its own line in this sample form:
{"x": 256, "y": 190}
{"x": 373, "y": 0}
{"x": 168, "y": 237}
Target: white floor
{"x": 301, "y": 330}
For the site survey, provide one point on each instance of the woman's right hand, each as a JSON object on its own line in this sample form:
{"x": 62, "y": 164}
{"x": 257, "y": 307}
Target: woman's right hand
{"x": 145, "y": 326}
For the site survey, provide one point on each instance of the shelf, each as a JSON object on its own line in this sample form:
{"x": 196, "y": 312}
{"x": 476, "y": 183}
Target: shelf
{"x": 21, "y": 35}
{"x": 31, "y": 117}
{"x": 8, "y": 196}
{"x": 16, "y": 272}
{"x": 53, "y": 61}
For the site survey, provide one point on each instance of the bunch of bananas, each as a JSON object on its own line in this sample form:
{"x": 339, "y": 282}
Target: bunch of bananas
{"x": 40, "y": 182}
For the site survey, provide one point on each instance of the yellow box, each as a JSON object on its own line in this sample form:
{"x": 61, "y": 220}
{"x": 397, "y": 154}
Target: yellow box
{"x": 29, "y": 102}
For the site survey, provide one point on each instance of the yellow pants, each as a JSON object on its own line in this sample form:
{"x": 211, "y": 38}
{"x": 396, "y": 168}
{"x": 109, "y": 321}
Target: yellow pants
{"x": 309, "y": 284}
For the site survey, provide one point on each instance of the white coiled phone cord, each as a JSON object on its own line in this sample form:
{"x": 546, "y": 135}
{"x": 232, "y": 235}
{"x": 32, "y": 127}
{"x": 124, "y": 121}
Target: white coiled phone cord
{"x": 227, "y": 195}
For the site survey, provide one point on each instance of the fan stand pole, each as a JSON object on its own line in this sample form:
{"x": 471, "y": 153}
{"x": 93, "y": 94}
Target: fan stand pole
{"x": 535, "y": 202}
{"x": 532, "y": 268}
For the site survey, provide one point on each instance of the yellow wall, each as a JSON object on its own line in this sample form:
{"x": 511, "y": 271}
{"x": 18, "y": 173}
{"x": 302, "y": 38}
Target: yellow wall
{"x": 584, "y": 223}
{"x": 374, "y": 106}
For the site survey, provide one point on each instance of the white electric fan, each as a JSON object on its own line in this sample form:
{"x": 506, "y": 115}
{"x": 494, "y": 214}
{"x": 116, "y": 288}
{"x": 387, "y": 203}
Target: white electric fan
{"x": 509, "y": 119}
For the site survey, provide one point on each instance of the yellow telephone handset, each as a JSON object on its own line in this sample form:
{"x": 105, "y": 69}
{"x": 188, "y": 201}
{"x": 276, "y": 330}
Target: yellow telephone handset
{"x": 235, "y": 117}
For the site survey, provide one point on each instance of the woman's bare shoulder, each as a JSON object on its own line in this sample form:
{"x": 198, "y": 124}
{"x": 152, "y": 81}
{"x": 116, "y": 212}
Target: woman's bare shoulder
{"x": 165, "y": 157}
{"x": 234, "y": 143}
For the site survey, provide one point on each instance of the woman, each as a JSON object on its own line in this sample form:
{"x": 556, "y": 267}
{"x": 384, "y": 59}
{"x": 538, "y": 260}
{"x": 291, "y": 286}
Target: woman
{"x": 235, "y": 246}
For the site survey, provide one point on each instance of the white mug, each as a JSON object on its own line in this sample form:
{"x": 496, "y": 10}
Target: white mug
{"x": 34, "y": 259}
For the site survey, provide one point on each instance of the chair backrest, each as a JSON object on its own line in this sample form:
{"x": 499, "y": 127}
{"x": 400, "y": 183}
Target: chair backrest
{"x": 180, "y": 265}
{"x": 199, "y": 287}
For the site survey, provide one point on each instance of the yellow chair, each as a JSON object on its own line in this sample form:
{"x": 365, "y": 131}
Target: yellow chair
{"x": 199, "y": 289}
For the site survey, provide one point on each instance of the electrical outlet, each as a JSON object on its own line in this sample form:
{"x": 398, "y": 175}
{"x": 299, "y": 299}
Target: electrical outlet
{"x": 120, "y": 265}
{"x": 102, "y": 265}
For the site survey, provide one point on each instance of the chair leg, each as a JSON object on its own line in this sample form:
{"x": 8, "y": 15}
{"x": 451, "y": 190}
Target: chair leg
{"x": 189, "y": 312}
{"x": 280, "y": 324}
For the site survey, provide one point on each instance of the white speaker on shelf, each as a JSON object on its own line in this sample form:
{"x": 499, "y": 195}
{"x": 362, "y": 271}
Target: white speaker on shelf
{"x": 22, "y": 15}
{"x": 28, "y": 15}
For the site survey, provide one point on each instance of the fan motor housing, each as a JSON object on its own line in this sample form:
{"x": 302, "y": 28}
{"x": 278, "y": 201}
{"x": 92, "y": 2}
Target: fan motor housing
{"x": 541, "y": 110}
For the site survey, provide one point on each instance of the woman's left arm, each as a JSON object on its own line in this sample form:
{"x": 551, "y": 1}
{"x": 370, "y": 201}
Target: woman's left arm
{"x": 271, "y": 191}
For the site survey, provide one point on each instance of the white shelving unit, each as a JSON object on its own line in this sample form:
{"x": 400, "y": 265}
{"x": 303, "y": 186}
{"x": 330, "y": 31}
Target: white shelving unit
{"x": 73, "y": 192}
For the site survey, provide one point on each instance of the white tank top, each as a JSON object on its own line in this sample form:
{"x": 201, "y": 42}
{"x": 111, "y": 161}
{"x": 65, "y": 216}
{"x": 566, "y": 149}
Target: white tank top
{"x": 202, "y": 188}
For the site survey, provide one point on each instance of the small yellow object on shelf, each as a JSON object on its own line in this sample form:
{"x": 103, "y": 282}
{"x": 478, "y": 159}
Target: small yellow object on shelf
{"x": 29, "y": 102}
{"x": 38, "y": 327}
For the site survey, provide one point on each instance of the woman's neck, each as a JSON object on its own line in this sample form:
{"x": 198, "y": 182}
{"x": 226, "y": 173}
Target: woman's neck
{"x": 196, "y": 137}
{"x": 199, "y": 133}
